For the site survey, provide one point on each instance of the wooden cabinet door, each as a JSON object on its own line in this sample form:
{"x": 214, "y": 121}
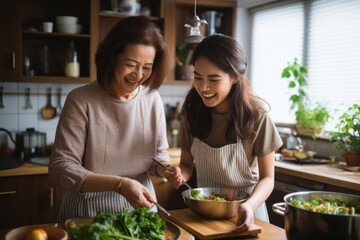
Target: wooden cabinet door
{"x": 26, "y": 200}
{"x": 10, "y": 32}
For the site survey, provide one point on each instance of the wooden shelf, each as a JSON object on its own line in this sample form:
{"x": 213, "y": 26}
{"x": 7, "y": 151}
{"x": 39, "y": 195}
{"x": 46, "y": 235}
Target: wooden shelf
{"x": 27, "y": 33}
{"x": 208, "y": 3}
{"x": 55, "y": 79}
{"x": 118, "y": 15}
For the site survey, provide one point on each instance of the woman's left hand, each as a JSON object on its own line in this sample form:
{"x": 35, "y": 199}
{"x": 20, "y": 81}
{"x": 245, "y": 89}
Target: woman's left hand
{"x": 245, "y": 218}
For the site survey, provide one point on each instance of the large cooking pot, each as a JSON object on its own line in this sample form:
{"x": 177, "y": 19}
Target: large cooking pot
{"x": 302, "y": 224}
{"x": 29, "y": 143}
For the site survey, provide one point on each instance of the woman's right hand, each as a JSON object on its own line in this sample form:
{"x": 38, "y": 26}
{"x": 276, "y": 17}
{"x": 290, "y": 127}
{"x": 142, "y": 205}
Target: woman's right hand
{"x": 136, "y": 194}
{"x": 174, "y": 176}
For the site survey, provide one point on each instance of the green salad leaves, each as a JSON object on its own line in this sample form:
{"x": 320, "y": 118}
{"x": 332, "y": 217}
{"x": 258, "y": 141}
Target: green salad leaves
{"x": 139, "y": 224}
{"x": 329, "y": 206}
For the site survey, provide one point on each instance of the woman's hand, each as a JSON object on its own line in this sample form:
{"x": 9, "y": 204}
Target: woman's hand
{"x": 245, "y": 218}
{"x": 136, "y": 194}
{"x": 174, "y": 176}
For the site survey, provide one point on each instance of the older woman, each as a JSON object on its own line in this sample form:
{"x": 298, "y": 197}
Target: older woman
{"x": 111, "y": 127}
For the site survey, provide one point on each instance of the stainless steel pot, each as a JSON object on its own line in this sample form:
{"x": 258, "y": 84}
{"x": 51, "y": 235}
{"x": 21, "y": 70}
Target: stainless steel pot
{"x": 302, "y": 224}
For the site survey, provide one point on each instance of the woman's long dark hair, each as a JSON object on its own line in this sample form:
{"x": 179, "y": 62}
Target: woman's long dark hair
{"x": 131, "y": 30}
{"x": 244, "y": 108}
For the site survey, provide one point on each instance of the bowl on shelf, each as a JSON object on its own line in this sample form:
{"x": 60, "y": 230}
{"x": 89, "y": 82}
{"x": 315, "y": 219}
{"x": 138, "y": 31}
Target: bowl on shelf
{"x": 212, "y": 209}
{"x": 54, "y": 233}
{"x": 66, "y": 20}
{"x": 69, "y": 28}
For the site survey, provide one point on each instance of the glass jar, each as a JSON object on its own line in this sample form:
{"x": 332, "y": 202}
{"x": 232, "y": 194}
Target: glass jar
{"x": 72, "y": 66}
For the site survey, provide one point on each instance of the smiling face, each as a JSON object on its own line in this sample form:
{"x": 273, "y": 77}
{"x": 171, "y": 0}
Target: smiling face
{"x": 212, "y": 84}
{"x": 133, "y": 67}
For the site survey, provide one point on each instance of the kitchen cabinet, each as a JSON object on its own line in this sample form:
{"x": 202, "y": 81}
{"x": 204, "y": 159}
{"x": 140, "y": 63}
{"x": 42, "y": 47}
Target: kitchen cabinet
{"x": 103, "y": 19}
{"x": 28, "y": 199}
{"x": 10, "y": 57}
{"x": 20, "y": 17}
{"x": 21, "y": 23}
{"x": 179, "y": 12}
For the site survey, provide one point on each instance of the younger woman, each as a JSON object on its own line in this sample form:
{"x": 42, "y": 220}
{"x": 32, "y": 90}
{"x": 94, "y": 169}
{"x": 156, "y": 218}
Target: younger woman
{"x": 226, "y": 131}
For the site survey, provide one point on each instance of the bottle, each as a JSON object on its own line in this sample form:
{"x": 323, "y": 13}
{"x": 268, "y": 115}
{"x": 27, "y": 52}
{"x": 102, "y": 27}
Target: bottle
{"x": 72, "y": 66}
{"x": 27, "y": 70}
{"x": 44, "y": 56}
{"x": 174, "y": 126}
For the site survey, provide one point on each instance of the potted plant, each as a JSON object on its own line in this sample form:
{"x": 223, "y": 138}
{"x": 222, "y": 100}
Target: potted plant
{"x": 184, "y": 70}
{"x": 347, "y": 136}
{"x": 310, "y": 118}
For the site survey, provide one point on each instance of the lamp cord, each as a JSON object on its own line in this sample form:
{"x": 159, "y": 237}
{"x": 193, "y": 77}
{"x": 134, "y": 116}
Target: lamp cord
{"x": 195, "y": 9}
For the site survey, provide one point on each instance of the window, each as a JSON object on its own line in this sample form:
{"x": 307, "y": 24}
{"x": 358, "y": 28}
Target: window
{"x": 325, "y": 37}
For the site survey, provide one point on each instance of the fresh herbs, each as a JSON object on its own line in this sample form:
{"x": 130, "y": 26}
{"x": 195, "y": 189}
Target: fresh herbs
{"x": 331, "y": 206}
{"x": 139, "y": 224}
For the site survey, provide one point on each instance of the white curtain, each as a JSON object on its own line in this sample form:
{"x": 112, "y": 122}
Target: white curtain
{"x": 325, "y": 37}
{"x": 277, "y": 38}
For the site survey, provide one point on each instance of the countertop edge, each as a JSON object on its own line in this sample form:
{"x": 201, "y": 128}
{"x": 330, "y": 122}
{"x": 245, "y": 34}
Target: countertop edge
{"x": 322, "y": 173}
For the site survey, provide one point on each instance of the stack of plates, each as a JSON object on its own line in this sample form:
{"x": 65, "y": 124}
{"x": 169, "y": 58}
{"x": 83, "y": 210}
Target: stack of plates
{"x": 68, "y": 24}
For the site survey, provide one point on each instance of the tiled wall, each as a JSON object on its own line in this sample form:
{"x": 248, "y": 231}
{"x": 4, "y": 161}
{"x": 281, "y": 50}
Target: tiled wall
{"x": 15, "y": 117}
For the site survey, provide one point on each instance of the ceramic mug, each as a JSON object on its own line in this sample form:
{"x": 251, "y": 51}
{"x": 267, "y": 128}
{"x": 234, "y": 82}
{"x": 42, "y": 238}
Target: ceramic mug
{"x": 48, "y": 27}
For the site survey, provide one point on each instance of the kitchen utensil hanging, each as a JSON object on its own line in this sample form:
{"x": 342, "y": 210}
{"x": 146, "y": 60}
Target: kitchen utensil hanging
{"x": 27, "y": 99}
{"x": 58, "y": 107}
{"x": 48, "y": 112}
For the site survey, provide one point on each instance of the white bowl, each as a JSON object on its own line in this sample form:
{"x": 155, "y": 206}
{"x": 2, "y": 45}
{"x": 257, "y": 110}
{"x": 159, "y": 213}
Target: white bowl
{"x": 69, "y": 28}
{"x": 66, "y": 20}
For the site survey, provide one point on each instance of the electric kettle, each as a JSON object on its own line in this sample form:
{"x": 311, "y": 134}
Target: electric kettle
{"x": 29, "y": 143}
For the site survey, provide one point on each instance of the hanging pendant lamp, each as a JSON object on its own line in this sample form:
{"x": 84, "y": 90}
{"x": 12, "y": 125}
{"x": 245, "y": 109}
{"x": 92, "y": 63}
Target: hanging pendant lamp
{"x": 194, "y": 24}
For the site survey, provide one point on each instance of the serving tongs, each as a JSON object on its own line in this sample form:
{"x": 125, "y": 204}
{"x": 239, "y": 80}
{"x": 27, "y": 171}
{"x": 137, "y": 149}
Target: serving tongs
{"x": 160, "y": 163}
{"x": 194, "y": 193}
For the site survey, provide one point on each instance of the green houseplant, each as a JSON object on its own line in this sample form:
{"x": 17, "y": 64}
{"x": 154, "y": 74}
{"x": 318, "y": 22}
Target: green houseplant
{"x": 347, "y": 135}
{"x": 310, "y": 119}
{"x": 184, "y": 70}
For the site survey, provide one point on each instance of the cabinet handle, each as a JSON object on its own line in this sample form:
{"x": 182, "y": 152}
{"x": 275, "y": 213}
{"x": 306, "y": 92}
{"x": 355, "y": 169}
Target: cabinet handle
{"x": 7, "y": 193}
{"x": 51, "y": 197}
{"x": 13, "y": 60}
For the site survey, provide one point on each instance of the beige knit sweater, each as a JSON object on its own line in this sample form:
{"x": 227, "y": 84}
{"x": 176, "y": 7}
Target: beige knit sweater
{"x": 97, "y": 133}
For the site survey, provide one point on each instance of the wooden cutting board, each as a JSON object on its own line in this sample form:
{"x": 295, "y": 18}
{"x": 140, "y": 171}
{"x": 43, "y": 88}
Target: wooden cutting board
{"x": 204, "y": 228}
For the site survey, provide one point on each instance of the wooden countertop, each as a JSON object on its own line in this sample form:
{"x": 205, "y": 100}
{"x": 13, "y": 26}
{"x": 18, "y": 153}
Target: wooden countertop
{"x": 35, "y": 169}
{"x": 26, "y": 169}
{"x": 324, "y": 173}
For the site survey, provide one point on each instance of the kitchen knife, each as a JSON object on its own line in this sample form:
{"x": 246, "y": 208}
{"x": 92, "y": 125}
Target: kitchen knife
{"x": 162, "y": 209}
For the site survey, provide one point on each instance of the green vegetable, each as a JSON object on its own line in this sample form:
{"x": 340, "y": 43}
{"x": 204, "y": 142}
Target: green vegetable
{"x": 214, "y": 197}
{"x": 329, "y": 206}
{"x": 195, "y": 193}
{"x": 139, "y": 224}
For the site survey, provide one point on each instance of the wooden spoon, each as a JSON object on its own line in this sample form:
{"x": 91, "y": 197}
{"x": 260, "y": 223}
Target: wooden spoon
{"x": 48, "y": 112}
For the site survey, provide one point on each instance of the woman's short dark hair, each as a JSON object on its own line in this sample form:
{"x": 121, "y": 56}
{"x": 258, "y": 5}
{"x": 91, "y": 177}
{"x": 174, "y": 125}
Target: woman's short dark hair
{"x": 226, "y": 53}
{"x": 132, "y": 30}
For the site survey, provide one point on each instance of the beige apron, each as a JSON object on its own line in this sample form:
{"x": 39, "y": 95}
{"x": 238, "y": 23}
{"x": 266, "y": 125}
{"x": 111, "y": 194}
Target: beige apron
{"x": 88, "y": 204}
{"x": 225, "y": 167}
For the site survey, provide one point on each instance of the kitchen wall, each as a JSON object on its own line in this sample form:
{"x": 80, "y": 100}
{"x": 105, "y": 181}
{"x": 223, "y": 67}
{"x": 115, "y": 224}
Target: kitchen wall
{"x": 15, "y": 117}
